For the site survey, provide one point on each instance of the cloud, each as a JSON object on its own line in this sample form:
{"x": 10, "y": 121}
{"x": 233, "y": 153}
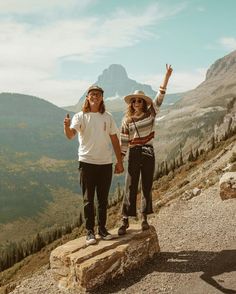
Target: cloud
{"x": 179, "y": 82}
{"x": 33, "y": 53}
{"x": 31, "y": 82}
{"x": 34, "y": 6}
{"x": 228, "y": 43}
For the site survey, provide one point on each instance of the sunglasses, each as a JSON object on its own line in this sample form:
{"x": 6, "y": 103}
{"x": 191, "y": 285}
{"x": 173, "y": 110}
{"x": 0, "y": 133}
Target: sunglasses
{"x": 138, "y": 100}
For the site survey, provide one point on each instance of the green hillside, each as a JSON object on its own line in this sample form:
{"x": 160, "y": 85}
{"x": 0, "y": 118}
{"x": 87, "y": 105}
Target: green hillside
{"x": 33, "y": 126}
{"x": 35, "y": 157}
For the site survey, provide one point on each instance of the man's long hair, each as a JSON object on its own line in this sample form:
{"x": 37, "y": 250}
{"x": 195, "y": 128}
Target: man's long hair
{"x": 86, "y": 107}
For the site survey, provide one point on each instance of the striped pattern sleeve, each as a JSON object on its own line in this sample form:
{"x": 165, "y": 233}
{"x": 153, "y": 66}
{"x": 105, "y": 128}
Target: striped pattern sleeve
{"x": 124, "y": 137}
{"x": 158, "y": 99}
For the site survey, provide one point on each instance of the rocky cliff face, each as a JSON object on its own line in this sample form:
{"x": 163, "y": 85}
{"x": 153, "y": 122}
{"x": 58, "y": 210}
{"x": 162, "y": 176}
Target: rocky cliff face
{"x": 222, "y": 66}
{"x": 194, "y": 119}
{"x": 116, "y": 82}
{"x": 219, "y": 86}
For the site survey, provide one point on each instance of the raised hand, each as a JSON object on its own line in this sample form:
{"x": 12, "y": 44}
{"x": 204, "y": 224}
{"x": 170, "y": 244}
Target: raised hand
{"x": 169, "y": 70}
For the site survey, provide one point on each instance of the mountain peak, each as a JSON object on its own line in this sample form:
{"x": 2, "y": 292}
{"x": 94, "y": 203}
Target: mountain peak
{"x": 222, "y": 65}
{"x": 116, "y": 83}
{"x": 113, "y": 72}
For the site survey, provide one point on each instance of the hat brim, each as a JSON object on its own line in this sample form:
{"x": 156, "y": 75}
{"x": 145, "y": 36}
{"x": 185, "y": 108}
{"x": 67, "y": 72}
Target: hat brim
{"x": 128, "y": 98}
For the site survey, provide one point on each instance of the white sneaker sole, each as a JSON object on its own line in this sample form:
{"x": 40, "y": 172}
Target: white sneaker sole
{"x": 91, "y": 242}
{"x": 108, "y": 237}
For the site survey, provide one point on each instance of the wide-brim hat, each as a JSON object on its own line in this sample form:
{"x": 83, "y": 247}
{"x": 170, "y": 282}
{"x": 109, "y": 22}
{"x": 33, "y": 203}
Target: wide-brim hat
{"x": 138, "y": 94}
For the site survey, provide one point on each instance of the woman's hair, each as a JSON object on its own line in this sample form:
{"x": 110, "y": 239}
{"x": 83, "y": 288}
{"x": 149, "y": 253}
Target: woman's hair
{"x": 86, "y": 106}
{"x": 130, "y": 110}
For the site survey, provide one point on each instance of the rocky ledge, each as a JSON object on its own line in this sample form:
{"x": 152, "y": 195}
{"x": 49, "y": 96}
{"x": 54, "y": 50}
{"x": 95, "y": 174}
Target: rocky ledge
{"x": 228, "y": 186}
{"x": 77, "y": 266}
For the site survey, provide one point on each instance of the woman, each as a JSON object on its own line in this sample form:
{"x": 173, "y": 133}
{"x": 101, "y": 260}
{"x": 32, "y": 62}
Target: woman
{"x": 96, "y": 129}
{"x": 137, "y": 134}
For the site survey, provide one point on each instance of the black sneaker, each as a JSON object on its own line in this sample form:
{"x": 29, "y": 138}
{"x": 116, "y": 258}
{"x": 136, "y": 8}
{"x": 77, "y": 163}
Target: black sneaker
{"x": 122, "y": 229}
{"x": 144, "y": 225}
{"x": 90, "y": 238}
{"x": 104, "y": 234}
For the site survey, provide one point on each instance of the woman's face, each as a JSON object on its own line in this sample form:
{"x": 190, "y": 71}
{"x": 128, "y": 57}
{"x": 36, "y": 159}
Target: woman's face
{"x": 137, "y": 104}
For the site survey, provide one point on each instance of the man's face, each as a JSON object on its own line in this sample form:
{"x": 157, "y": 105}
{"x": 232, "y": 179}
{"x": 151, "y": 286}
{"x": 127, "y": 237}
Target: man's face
{"x": 95, "y": 97}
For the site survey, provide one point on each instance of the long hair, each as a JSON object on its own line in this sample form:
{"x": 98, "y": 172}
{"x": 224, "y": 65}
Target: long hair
{"x": 86, "y": 107}
{"x": 130, "y": 110}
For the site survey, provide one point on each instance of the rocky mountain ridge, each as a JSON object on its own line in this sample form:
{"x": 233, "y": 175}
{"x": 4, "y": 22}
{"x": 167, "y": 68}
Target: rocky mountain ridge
{"x": 222, "y": 66}
{"x": 200, "y": 113}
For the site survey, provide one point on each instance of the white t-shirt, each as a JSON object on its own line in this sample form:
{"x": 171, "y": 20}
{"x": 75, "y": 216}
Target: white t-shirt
{"x": 94, "y": 130}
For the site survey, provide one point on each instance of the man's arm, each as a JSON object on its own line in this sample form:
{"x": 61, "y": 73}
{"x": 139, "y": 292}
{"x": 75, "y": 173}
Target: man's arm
{"x": 116, "y": 146}
{"x": 69, "y": 132}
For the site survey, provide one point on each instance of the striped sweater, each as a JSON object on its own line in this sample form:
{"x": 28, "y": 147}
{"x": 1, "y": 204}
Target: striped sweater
{"x": 145, "y": 124}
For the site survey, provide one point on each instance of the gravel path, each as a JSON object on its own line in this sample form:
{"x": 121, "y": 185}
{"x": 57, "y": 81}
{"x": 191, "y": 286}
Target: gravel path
{"x": 196, "y": 236}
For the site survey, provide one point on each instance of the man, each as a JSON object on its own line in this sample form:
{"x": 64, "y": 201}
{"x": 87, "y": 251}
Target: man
{"x": 96, "y": 129}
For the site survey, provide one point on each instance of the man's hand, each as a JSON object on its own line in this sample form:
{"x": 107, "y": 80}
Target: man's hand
{"x": 70, "y": 133}
{"x": 119, "y": 168}
{"x": 67, "y": 121}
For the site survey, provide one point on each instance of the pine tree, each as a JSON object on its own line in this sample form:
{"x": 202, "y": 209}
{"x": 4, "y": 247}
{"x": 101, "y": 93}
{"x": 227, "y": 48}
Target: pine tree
{"x": 191, "y": 156}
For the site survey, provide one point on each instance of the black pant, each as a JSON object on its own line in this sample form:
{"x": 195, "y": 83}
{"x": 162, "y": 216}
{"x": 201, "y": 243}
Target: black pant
{"x": 95, "y": 177}
{"x": 141, "y": 161}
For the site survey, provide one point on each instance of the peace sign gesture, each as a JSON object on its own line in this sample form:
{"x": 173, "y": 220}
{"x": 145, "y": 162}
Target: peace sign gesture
{"x": 169, "y": 70}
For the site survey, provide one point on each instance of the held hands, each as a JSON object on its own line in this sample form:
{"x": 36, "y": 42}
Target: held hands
{"x": 119, "y": 168}
{"x": 67, "y": 121}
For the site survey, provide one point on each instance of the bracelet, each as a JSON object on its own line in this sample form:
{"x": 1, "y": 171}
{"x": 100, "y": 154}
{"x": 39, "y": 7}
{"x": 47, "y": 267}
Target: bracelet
{"x": 162, "y": 88}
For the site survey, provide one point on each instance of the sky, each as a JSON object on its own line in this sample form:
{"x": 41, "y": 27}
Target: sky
{"x": 55, "y": 49}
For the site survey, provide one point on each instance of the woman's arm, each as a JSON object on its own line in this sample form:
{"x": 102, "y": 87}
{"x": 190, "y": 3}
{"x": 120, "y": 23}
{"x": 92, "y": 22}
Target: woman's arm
{"x": 163, "y": 87}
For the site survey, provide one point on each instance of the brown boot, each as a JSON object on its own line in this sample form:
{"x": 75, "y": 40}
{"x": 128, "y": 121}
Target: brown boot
{"x": 125, "y": 225}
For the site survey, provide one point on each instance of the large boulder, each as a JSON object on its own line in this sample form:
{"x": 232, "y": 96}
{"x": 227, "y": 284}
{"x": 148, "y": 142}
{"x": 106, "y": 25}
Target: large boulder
{"x": 228, "y": 186}
{"x": 75, "y": 265}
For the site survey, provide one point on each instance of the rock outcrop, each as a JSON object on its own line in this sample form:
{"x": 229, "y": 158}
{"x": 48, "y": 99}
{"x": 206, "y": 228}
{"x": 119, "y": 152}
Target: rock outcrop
{"x": 75, "y": 265}
{"x": 228, "y": 186}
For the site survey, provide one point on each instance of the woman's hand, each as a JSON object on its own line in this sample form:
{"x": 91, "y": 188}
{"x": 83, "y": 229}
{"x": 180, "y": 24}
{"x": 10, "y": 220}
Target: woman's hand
{"x": 169, "y": 70}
